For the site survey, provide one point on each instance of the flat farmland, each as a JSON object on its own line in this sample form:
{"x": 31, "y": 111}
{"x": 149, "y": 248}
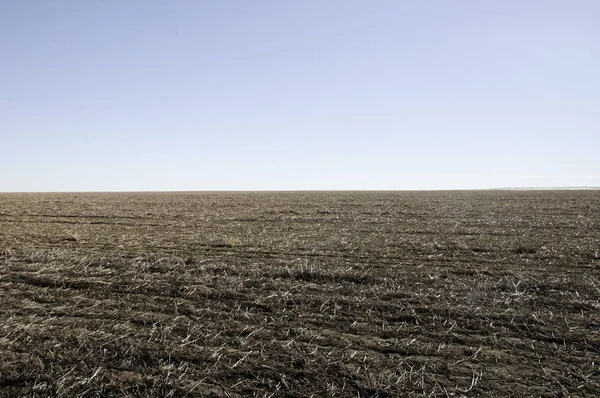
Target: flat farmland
{"x": 300, "y": 294}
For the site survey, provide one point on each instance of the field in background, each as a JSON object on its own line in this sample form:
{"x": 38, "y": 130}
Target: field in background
{"x": 492, "y": 293}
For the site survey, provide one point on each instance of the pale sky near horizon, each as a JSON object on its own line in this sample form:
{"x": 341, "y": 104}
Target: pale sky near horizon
{"x": 282, "y": 95}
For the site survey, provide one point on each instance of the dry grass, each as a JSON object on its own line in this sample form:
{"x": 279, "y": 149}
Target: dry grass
{"x": 300, "y": 294}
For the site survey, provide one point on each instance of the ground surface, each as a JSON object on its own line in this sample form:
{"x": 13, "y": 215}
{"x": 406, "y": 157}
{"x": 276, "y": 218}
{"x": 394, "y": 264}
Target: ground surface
{"x": 300, "y": 294}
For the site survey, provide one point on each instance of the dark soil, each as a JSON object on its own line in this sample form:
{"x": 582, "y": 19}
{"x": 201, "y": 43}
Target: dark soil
{"x": 490, "y": 293}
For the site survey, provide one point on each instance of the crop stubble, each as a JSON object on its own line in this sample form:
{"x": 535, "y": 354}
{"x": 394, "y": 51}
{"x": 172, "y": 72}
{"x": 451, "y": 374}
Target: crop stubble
{"x": 492, "y": 293}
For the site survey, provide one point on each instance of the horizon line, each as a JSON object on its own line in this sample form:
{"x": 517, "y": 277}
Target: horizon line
{"x": 565, "y": 188}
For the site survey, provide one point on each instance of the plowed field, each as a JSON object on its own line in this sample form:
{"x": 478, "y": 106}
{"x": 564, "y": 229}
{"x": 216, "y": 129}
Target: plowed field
{"x": 482, "y": 293}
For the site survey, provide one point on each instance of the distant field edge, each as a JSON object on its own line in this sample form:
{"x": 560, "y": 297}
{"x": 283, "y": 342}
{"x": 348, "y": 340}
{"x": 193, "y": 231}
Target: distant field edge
{"x": 313, "y": 190}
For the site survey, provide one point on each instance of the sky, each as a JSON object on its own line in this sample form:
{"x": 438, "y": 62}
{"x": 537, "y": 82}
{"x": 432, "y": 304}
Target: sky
{"x": 298, "y": 95}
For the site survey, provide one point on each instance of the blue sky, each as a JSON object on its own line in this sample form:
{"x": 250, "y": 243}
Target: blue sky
{"x": 279, "y": 95}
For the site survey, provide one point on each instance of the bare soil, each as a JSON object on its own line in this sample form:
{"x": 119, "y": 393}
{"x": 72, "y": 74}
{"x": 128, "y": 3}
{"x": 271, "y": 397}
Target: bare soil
{"x": 489, "y": 293}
